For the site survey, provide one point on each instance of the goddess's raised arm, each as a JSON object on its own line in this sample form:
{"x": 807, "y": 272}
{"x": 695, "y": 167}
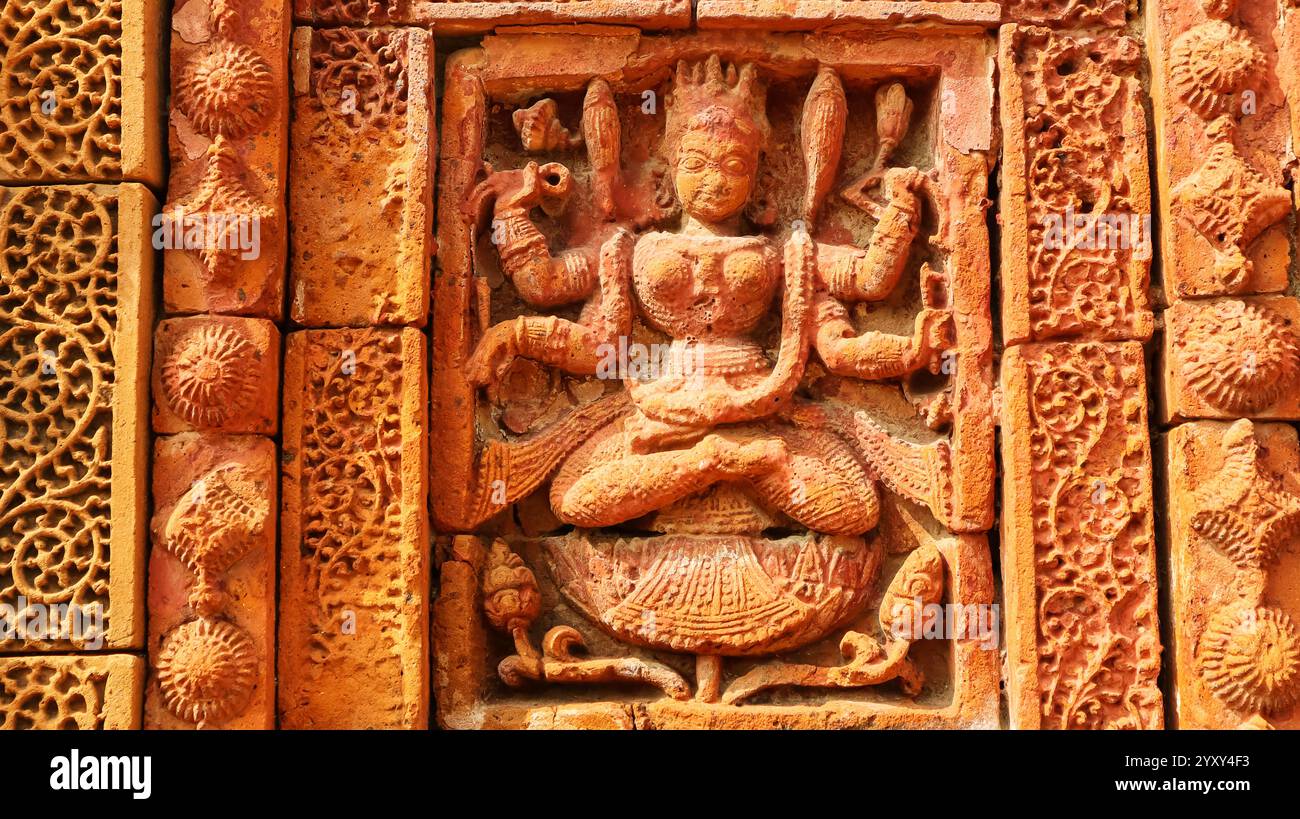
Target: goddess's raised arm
{"x": 543, "y": 280}
{"x": 856, "y": 274}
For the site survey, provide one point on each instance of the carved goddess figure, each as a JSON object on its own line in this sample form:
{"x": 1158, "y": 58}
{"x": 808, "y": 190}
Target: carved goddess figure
{"x": 734, "y": 416}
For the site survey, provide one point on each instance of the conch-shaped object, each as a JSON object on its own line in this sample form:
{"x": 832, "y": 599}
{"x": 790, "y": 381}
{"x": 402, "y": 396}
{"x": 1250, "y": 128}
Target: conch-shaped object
{"x": 540, "y": 129}
{"x": 825, "y": 113}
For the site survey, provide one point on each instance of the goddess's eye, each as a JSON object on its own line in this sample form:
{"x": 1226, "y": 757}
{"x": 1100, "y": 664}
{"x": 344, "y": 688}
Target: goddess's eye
{"x": 693, "y": 164}
{"x": 736, "y": 165}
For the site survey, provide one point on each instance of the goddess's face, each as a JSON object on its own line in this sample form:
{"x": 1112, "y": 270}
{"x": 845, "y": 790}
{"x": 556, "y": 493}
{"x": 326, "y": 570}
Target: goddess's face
{"x": 715, "y": 174}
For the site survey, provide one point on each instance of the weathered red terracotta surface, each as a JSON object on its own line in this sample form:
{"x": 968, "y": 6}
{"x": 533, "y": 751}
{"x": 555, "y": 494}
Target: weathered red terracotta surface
{"x": 1222, "y": 145}
{"x": 778, "y": 15}
{"x": 1234, "y": 580}
{"x": 485, "y": 15}
{"x": 216, "y": 373}
{"x": 362, "y": 169}
{"x": 354, "y": 534}
{"x": 679, "y": 410}
{"x": 1078, "y": 546}
{"x": 1232, "y": 358}
{"x": 70, "y": 692}
{"x": 212, "y": 583}
{"x": 813, "y": 14}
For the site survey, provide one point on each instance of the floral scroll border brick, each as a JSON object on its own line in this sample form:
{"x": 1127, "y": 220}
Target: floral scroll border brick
{"x": 1078, "y": 541}
{"x": 363, "y": 122}
{"x": 112, "y": 350}
{"x": 354, "y": 531}
{"x": 1093, "y": 287}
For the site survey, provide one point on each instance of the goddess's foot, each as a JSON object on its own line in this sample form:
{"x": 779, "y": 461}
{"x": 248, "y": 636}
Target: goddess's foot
{"x": 745, "y": 458}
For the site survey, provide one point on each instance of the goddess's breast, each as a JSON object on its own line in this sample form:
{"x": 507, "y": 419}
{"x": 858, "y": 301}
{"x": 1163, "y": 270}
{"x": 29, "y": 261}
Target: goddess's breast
{"x": 704, "y": 287}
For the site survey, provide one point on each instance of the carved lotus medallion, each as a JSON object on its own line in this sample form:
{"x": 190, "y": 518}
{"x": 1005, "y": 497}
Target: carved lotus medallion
{"x": 227, "y": 91}
{"x": 1250, "y": 657}
{"x": 1240, "y": 357}
{"x": 206, "y": 671}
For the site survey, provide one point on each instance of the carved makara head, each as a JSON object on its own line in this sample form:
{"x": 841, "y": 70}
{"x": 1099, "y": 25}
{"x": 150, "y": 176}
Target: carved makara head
{"x": 715, "y": 134}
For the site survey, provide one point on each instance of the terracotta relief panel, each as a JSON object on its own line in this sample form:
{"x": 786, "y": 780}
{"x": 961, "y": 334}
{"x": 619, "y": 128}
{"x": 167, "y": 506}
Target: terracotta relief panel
{"x": 697, "y": 414}
{"x": 1076, "y": 201}
{"x": 223, "y": 227}
{"x": 1234, "y": 579}
{"x": 1078, "y": 548}
{"x": 212, "y": 583}
{"x": 75, "y": 311}
{"x": 80, "y": 91}
{"x": 354, "y": 573}
{"x": 1223, "y": 142}
{"x": 362, "y": 170}
{"x": 83, "y": 693}
{"x": 452, "y": 17}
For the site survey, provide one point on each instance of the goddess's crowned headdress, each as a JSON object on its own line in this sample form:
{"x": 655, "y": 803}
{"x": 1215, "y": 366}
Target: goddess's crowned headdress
{"x": 725, "y": 100}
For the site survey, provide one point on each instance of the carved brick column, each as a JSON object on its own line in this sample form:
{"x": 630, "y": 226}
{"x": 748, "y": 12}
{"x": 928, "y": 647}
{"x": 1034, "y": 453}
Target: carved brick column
{"x": 354, "y": 571}
{"x": 216, "y": 370}
{"x": 1078, "y": 543}
{"x": 79, "y": 152}
{"x": 1224, "y": 84}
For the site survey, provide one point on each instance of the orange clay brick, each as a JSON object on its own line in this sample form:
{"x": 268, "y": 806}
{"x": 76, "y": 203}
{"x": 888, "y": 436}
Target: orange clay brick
{"x": 1078, "y": 550}
{"x": 95, "y": 117}
{"x": 362, "y": 170}
{"x": 1222, "y": 143}
{"x": 77, "y": 315}
{"x": 224, "y": 227}
{"x": 1070, "y": 270}
{"x": 216, "y": 374}
{"x": 212, "y": 583}
{"x": 83, "y": 693}
{"x": 1234, "y": 580}
{"x": 1232, "y": 358}
{"x": 354, "y": 572}
{"x": 485, "y": 15}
